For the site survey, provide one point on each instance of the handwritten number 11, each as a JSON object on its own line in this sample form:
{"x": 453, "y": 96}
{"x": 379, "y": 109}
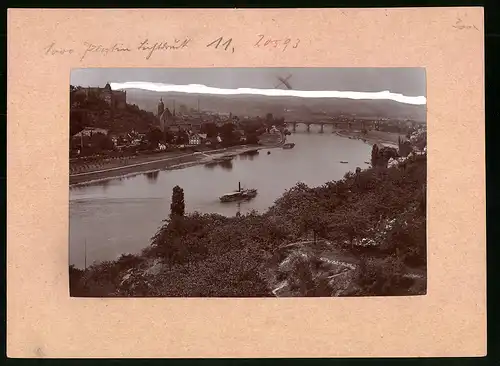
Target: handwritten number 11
{"x": 218, "y": 41}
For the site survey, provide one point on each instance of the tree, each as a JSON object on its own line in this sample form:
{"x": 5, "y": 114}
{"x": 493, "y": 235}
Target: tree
{"x": 252, "y": 138}
{"x": 374, "y": 155}
{"x": 154, "y": 136}
{"x": 382, "y": 277}
{"x": 252, "y": 126}
{"x": 386, "y": 153}
{"x": 227, "y": 133}
{"x": 182, "y": 137}
{"x": 101, "y": 141}
{"x": 177, "y": 206}
{"x": 76, "y": 121}
{"x": 310, "y": 215}
{"x": 76, "y": 96}
{"x": 210, "y": 129}
{"x": 313, "y": 221}
{"x": 279, "y": 121}
{"x": 404, "y": 147}
{"x": 269, "y": 118}
{"x": 420, "y": 141}
{"x": 169, "y": 137}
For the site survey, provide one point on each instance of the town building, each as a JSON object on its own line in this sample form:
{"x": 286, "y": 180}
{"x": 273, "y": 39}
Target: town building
{"x": 89, "y": 131}
{"x": 273, "y": 130}
{"x": 169, "y": 121}
{"x": 165, "y": 117}
{"x": 240, "y": 135}
{"x": 197, "y": 138}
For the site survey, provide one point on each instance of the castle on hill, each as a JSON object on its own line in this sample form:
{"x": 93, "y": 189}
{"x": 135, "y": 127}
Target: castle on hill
{"x": 117, "y": 99}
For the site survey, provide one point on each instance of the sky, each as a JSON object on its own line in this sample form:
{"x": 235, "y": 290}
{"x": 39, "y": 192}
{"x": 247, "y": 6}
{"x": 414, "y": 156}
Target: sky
{"x": 395, "y": 82}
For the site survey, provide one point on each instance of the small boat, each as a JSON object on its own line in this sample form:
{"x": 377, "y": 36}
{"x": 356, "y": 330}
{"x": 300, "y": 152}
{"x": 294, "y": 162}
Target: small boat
{"x": 239, "y": 195}
{"x": 226, "y": 158}
{"x": 250, "y": 152}
{"x": 344, "y": 162}
{"x": 289, "y": 145}
{"x": 268, "y": 153}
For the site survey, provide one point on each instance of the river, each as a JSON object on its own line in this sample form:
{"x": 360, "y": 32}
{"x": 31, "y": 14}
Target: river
{"x": 120, "y": 215}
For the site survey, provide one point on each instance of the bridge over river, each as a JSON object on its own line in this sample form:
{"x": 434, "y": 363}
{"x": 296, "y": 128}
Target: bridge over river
{"x": 335, "y": 124}
{"x": 353, "y": 123}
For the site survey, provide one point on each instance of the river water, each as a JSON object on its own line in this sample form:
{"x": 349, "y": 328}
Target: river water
{"x": 121, "y": 215}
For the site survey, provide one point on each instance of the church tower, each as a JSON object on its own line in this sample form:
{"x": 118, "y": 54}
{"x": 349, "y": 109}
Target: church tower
{"x": 161, "y": 107}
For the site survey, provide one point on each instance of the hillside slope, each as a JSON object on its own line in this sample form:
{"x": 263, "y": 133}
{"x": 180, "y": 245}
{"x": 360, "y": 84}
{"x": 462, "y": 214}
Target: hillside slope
{"x": 94, "y": 112}
{"x": 298, "y": 108}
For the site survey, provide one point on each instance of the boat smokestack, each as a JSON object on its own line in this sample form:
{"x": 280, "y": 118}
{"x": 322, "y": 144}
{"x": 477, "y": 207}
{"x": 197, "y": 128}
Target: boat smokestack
{"x": 239, "y": 186}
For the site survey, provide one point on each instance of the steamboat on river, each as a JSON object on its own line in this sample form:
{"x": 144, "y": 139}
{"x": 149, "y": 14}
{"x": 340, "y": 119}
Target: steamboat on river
{"x": 239, "y": 195}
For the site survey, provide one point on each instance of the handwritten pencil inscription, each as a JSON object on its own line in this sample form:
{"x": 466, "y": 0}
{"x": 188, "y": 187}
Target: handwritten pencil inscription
{"x": 52, "y": 49}
{"x": 150, "y": 48}
{"x": 281, "y": 43}
{"x": 219, "y": 43}
{"x": 98, "y": 48}
{"x": 460, "y": 25}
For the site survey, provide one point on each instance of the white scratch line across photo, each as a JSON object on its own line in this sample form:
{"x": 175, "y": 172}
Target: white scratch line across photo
{"x": 203, "y": 89}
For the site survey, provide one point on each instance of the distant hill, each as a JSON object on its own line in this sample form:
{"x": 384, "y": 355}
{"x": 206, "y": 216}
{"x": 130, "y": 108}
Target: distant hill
{"x": 288, "y": 107}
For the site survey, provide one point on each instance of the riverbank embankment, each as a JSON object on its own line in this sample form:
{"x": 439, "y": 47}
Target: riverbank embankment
{"x": 140, "y": 164}
{"x": 169, "y": 160}
{"x": 372, "y": 137}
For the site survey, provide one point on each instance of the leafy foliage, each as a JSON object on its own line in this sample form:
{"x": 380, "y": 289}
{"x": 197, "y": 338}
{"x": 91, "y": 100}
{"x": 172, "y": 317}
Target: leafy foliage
{"x": 210, "y": 129}
{"x": 155, "y": 136}
{"x": 374, "y": 155}
{"x": 101, "y": 141}
{"x": 177, "y": 206}
{"x": 404, "y": 147}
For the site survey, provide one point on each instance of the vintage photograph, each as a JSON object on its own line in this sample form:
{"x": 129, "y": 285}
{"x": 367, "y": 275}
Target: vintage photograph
{"x": 247, "y": 182}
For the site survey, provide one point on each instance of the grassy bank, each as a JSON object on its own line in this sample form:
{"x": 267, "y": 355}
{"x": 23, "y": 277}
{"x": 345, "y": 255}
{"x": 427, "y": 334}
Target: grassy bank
{"x": 362, "y": 235}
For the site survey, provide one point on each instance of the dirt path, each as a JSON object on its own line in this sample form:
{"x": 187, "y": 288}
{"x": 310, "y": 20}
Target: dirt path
{"x": 328, "y": 254}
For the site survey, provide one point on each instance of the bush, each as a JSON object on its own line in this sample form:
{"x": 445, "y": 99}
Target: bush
{"x": 383, "y": 277}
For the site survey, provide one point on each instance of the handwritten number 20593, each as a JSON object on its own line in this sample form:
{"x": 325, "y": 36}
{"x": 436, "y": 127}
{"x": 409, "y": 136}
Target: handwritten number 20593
{"x": 275, "y": 43}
